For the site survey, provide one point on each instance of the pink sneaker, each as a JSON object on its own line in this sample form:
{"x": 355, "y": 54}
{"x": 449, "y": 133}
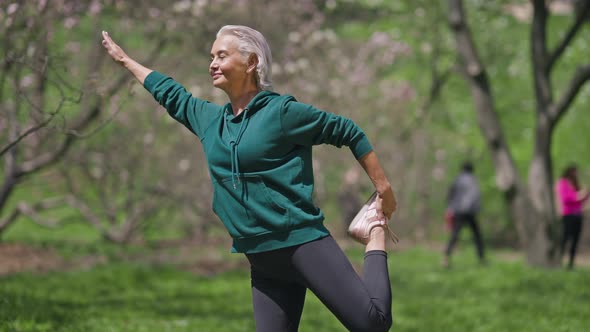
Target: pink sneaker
{"x": 368, "y": 218}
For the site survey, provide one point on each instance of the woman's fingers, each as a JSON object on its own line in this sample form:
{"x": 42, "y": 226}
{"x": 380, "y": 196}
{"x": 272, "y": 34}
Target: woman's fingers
{"x": 382, "y": 207}
{"x": 387, "y": 204}
{"x": 107, "y": 42}
{"x": 112, "y": 48}
{"x": 107, "y": 38}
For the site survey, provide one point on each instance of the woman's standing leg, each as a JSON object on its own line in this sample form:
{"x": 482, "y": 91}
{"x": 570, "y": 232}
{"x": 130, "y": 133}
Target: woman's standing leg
{"x": 277, "y": 303}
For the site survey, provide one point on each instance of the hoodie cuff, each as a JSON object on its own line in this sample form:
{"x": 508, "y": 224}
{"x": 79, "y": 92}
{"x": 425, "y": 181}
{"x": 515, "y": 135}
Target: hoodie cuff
{"x": 152, "y": 80}
{"x": 361, "y": 147}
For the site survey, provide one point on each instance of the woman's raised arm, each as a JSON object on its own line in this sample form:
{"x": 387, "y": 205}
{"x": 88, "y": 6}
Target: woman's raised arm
{"x": 116, "y": 52}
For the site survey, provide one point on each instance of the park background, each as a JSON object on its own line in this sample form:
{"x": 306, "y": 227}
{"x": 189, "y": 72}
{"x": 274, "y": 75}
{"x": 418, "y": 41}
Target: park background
{"x": 105, "y": 219}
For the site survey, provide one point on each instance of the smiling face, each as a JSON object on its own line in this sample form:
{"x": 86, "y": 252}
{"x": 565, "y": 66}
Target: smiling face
{"x": 229, "y": 68}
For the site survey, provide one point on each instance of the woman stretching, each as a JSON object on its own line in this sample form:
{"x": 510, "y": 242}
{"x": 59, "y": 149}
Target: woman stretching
{"x": 259, "y": 154}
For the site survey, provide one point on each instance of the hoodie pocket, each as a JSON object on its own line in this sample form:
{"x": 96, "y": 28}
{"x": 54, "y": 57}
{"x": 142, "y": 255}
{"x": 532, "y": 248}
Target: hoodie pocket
{"x": 249, "y": 209}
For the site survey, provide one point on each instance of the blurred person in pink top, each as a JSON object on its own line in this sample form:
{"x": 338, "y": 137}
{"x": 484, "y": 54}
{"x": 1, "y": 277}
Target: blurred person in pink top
{"x": 571, "y": 199}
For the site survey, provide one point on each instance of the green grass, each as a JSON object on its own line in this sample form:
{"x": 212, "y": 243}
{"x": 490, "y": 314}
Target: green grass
{"x": 498, "y": 297}
{"x": 502, "y": 296}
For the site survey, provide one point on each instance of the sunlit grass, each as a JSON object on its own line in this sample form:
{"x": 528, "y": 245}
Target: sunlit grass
{"x": 501, "y": 296}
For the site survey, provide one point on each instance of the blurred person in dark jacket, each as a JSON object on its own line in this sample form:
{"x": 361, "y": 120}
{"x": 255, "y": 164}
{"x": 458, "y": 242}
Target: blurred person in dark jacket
{"x": 464, "y": 202}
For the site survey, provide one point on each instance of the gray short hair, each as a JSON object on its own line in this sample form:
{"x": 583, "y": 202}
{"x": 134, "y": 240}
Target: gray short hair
{"x": 253, "y": 42}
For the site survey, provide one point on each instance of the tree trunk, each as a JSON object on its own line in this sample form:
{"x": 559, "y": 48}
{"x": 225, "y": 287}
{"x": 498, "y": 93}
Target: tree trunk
{"x": 507, "y": 177}
{"x": 543, "y": 248}
{"x": 543, "y": 244}
{"x": 7, "y": 188}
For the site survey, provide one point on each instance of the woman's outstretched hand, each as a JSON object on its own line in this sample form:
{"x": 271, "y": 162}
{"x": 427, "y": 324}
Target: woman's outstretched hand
{"x": 114, "y": 50}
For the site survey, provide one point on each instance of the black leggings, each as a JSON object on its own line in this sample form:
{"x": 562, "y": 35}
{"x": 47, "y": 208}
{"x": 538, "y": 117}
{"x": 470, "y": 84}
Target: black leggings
{"x": 572, "y": 228}
{"x": 281, "y": 277}
{"x": 459, "y": 221}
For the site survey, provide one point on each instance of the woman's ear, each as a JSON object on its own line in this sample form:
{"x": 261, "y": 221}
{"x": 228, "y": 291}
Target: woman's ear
{"x": 252, "y": 63}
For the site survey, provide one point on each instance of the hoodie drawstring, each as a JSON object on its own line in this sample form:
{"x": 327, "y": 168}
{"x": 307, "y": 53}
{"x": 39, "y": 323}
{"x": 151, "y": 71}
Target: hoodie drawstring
{"x": 235, "y": 168}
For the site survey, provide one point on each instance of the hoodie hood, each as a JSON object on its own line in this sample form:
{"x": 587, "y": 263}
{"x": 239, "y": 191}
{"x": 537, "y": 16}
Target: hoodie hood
{"x": 257, "y": 103}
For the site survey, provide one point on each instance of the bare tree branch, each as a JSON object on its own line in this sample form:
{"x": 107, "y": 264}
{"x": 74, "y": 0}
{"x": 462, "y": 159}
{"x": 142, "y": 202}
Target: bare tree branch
{"x": 49, "y": 158}
{"x": 27, "y": 132}
{"x": 580, "y": 19}
{"x": 113, "y": 89}
{"x": 34, "y": 106}
{"x": 32, "y": 211}
{"x": 542, "y": 83}
{"x": 438, "y": 78}
{"x": 8, "y": 220}
{"x": 81, "y": 123}
{"x": 438, "y": 81}
{"x": 86, "y": 212}
{"x": 581, "y": 76}
{"x": 475, "y": 73}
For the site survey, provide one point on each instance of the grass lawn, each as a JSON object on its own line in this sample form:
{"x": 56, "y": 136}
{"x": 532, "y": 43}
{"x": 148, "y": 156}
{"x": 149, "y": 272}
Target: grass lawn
{"x": 502, "y": 296}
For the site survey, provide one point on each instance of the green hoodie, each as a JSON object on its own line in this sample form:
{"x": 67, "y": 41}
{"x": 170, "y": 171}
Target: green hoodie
{"x": 260, "y": 161}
